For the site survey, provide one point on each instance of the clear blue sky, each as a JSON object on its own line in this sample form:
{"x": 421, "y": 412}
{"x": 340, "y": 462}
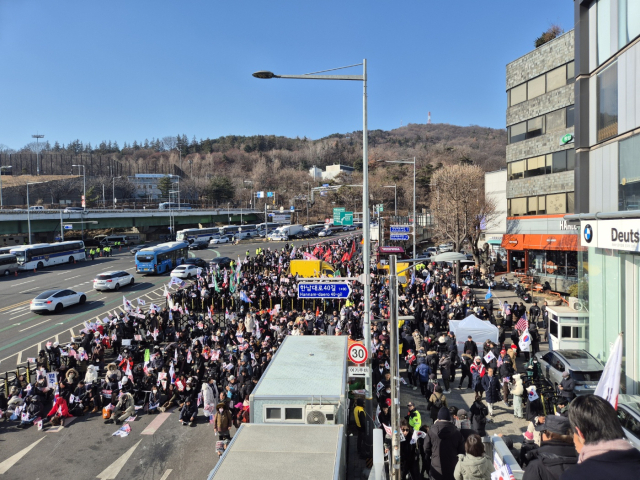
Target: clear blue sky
{"x": 128, "y": 70}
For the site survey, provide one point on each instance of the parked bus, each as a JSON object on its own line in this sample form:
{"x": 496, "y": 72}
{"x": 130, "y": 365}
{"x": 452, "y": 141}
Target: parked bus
{"x": 197, "y": 234}
{"x": 48, "y": 254}
{"x": 174, "y": 206}
{"x": 161, "y": 258}
{"x": 8, "y": 264}
{"x": 233, "y": 229}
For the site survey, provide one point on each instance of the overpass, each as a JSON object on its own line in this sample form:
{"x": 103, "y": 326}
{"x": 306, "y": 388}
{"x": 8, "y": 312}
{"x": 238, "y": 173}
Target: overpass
{"x": 46, "y": 223}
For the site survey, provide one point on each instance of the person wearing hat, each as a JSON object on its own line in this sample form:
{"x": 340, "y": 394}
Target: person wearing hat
{"x": 413, "y": 417}
{"x": 442, "y": 446}
{"x": 188, "y": 413}
{"x": 567, "y": 387}
{"x": 556, "y": 453}
{"x": 223, "y": 421}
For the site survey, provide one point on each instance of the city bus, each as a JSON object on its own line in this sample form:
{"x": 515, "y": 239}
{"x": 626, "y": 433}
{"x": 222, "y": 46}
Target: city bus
{"x": 47, "y": 254}
{"x": 161, "y": 258}
{"x": 174, "y": 206}
{"x": 191, "y": 235}
{"x": 233, "y": 229}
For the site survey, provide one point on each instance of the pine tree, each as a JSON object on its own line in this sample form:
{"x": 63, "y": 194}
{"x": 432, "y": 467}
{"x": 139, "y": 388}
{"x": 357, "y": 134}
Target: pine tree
{"x": 135, "y": 145}
{"x": 164, "y": 185}
{"x": 56, "y": 147}
{"x": 116, "y": 148}
{"x": 146, "y": 144}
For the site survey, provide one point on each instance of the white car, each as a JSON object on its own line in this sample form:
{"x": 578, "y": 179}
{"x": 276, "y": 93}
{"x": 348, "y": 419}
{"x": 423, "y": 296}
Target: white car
{"x": 56, "y": 300}
{"x": 184, "y": 271}
{"x": 277, "y": 237}
{"x": 445, "y": 247}
{"x": 325, "y": 233}
{"x": 222, "y": 239}
{"x": 113, "y": 280}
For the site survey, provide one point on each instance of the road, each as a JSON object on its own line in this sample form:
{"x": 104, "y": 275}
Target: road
{"x": 23, "y": 333}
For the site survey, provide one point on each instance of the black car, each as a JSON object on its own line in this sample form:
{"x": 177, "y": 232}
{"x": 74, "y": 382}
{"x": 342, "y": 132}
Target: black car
{"x": 198, "y": 262}
{"x": 198, "y": 246}
{"x": 223, "y": 262}
{"x": 303, "y": 234}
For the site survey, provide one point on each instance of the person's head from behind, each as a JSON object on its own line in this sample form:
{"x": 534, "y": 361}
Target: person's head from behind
{"x": 593, "y": 420}
{"x": 473, "y": 446}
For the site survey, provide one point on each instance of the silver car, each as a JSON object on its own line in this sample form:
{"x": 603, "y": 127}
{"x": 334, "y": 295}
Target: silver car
{"x": 629, "y": 416}
{"x": 582, "y": 367}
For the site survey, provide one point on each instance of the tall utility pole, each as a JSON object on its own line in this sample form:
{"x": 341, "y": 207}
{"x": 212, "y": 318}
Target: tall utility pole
{"x": 37, "y": 137}
{"x": 395, "y": 371}
{"x": 84, "y": 195}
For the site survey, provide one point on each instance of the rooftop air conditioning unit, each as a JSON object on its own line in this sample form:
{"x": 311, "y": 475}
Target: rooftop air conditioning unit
{"x": 575, "y": 304}
{"x": 320, "y": 414}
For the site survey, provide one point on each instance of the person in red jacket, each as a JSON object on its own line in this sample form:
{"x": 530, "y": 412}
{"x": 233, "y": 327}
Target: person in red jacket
{"x": 59, "y": 412}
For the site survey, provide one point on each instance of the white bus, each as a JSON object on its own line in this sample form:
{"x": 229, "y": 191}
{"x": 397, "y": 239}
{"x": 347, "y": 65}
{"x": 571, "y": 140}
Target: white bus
{"x": 191, "y": 235}
{"x": 46, "y": 254}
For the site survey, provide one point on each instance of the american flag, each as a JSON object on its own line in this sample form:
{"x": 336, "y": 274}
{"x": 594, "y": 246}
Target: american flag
{"x": 523, "y": 323}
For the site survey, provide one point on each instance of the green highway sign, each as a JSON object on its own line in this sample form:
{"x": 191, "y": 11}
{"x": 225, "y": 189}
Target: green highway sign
{"x": 336, "y": 215}
{"x": 340, "y": 217}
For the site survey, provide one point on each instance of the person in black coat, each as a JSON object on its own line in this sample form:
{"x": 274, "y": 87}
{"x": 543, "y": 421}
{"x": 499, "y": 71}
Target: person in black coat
{"x": 491, "y": 387}
{"x": 442, "y": 446}
{"x": 567, "y": 387}
{"x": 556, "y": 453}
{"x": 478, "y": 415}
{"x": 470, "y": 345}
{"x": 189, "y": 412}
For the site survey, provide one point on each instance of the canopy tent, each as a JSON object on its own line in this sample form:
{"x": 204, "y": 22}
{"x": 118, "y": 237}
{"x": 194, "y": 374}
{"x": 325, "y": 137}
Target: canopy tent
{"x": 448, "y": 257}
{"x": 480, "y": 331}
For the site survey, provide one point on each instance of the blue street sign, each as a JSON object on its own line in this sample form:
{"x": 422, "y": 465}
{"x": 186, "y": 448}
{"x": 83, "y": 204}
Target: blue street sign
{"x": 400, "y": 229}
{"x": 399, "y": 237}
{"x": 325, "y": 185}
{"x": 323, "y": 290}
{"x": 292, "y": 208}
{"x": 68, "y": 227}
{"x": 269, "y": 194}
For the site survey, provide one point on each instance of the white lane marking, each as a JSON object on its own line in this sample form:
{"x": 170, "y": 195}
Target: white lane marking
{"x": 19, "y": 358}
{"x": 34, "y": 326}
{"x": 16, "y": 284}
{"x": 12, "y": 460}
{"x": 113, "y": 470}
{"x": 21, "y": 315}
{"x": 166, "y": 474}
{"x": 71, "y": 331}
{"x": 71, "y": 278}
{"x": 16, "y": 310}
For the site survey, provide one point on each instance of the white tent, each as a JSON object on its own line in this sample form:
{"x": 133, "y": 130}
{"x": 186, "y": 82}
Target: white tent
{"x": 480, "y": 331}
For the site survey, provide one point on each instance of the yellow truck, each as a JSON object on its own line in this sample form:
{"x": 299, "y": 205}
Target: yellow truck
{"x": 310, "y": 268}
{"x": 384, "y": 269}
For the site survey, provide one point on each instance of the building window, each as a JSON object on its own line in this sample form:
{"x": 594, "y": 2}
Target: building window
{"x": 628, "y": 21}
{"x": 541, "y": 205}
{"x": 629, "y": 174}
{"x": 557, "y": 263}
{"x": 559, "y": 162}
{"x": 536, "y": 87}
{"x": 608, "y": 102}
{"x": 571, "y": 72}
{"x": 518, "y": 95}
{"x": 535, "y": 127}
{"x": 516, "y": 169}
{"x": 604, "y": 29}
{"x": 570, "y": 118}
{"x": 517, "y": 132}
{"x": 556, "y": 78}
{"x": 536, "y": 166}
{"x": 556, "y": 120}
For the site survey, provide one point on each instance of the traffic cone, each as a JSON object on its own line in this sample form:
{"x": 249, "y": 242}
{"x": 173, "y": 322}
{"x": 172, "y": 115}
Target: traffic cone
{"x": 16, "y": 272}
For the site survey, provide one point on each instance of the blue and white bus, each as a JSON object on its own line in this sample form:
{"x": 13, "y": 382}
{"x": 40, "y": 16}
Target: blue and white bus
{"x": 233, "y": 229}
{"x": 47, "y": 254}
{"x": 191, "y": 235}
{"x": 174, "y": 206}
{"x": 162, "y": 258}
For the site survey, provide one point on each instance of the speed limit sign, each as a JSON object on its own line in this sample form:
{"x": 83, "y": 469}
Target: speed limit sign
{"x": 357, "y": 353}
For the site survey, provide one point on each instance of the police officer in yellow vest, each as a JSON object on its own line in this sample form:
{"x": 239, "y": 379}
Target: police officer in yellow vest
{"x": 361, "y": 425}
{"x": 413, "y": 418}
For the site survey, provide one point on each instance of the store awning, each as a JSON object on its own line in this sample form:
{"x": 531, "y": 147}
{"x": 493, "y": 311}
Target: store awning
{"x": 494, "y": 242}
{"x": 541, "y": 242}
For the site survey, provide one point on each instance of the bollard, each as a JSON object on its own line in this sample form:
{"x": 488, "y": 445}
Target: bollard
{"x": 34, "y": 270}
{"x": 16, "y": 272}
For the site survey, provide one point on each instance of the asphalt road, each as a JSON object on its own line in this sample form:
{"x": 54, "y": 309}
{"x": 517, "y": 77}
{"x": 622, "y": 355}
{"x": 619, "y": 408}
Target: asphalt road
{"x": 23, "y": 333}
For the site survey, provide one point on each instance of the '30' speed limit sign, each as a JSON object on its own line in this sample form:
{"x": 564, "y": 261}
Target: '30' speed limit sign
{"x": 357, "y": 353}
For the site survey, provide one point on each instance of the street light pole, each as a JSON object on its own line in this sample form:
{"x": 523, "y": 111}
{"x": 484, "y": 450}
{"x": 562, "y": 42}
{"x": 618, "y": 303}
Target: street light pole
{"x": 84, "y": 195}
{"x": 366, "y": 250}
{"x": 37, "y": 137}
{"x": 114, "y": 191}
{"x": 2, "y": 168}
{"x": 415, "y": 230}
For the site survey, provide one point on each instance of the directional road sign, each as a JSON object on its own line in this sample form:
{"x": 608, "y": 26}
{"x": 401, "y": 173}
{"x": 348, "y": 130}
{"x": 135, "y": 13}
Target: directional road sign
{"x": 357, "y": 353}
{"x": 324, "y": 290}
{"x": 399, "y": 237}
{"x": 68, "y": 227}
{"x": 358, "y": 372}
{"x": 400, "y": 228}
{"x": 292, "y": 208}
{"x": 336, "y": 215}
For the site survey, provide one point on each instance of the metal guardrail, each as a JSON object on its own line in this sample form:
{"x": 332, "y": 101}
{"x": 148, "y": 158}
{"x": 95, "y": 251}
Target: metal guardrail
{"x": 219, "y": 211}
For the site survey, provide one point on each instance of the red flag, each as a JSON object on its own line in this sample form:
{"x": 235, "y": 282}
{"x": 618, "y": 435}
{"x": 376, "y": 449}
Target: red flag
{"x": 345, "y": 257}
{"x": 317, "y": 250}
{"x": 353, "y": 250}
{"x": 317, "y": 311}
{"x": 327, "y": 255}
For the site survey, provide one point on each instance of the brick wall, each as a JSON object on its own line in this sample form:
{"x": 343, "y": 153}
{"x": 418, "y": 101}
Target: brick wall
{"x": 541, "y": 185}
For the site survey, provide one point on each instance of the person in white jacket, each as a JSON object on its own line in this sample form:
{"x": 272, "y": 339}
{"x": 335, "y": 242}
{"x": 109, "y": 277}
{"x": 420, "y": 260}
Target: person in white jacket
{"x": 517, "y": 389}
{"x": 209, "y": 396}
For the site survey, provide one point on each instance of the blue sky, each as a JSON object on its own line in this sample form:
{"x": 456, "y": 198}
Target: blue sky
{"x": 129, "y": 70}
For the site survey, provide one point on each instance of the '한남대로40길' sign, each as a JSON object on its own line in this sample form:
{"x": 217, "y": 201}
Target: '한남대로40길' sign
{"x": 324, "y": 290}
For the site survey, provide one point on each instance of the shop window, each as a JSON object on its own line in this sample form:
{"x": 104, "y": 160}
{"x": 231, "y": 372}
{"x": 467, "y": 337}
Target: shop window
{"x": 628, "y": 21}
{"x": 603, "y": 25}
{"x": 536, "y": 87}
{"x": 608, "y": 102}
{"x": 629, "y": 174}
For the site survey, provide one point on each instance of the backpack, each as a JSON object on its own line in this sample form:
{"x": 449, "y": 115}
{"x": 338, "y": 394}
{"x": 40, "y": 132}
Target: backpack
{"x": 438, "y": 403}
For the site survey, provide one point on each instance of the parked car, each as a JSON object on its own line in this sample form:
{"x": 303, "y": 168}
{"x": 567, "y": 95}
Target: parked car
{"x": 629, "y": 416}
{"x": 220, "y": 239}
{"x": 197, "y": 261}
{"x": 36, "y": 208}
{"x": 198, "y": 245}
{"x": 445, "y": 247}
{"x": 580, "y": 364}
{"x": 73, "y": 210}
{"x": 222, "y": 262}
{"x": 277, "y": 237}
{"x": 325, "y": 233}
{"x": 348, "y": 228}
{"x": 184, "y": 271}
{"x": 56, "y": 300}
{"x": 135, "y": 250}
{"x": 113, "y": 280}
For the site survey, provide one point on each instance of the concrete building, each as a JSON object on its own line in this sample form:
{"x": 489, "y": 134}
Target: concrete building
{"x": 495, "y": 188}
{"x": 331, "y": 172}
{"x": 607, "y": 176}
{"x": 540, "y": 164}
{"x": 147, "y": 184}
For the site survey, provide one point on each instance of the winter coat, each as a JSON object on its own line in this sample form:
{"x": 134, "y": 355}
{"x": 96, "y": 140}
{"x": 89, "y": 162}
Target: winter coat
{"x": 208, "y": 396}
{"x": 491, "y": 387}
{"x": 473, "y": 468}
{"x": 616, "y": 464}
{"x": 478, "y": 416}
{"x": 112, "y": 369}
{"x": 433, "y": 404}
{"x": 59, "y": 408}
{"x": 223, "y": 421}
{"x": 443, "y": 444}
{"x": 517, "y": 389}
{"x": 423, "y": 372}
{"x": 550, "y": 460}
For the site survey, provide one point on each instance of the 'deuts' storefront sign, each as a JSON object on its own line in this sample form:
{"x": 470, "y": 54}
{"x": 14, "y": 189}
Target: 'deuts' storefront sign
{"x": 611, "y": 234}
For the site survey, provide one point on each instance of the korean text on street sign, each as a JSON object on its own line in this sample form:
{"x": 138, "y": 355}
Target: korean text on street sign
{"x": 337, "y": 219}
{"x": 400, "y": 228}
{"x": 323, "y": 290}
{"x": 358, "y": 371}
{"x": 357, "y": 353}
{"x": 68, "y": 227}
{"x": 399, "y": 237}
